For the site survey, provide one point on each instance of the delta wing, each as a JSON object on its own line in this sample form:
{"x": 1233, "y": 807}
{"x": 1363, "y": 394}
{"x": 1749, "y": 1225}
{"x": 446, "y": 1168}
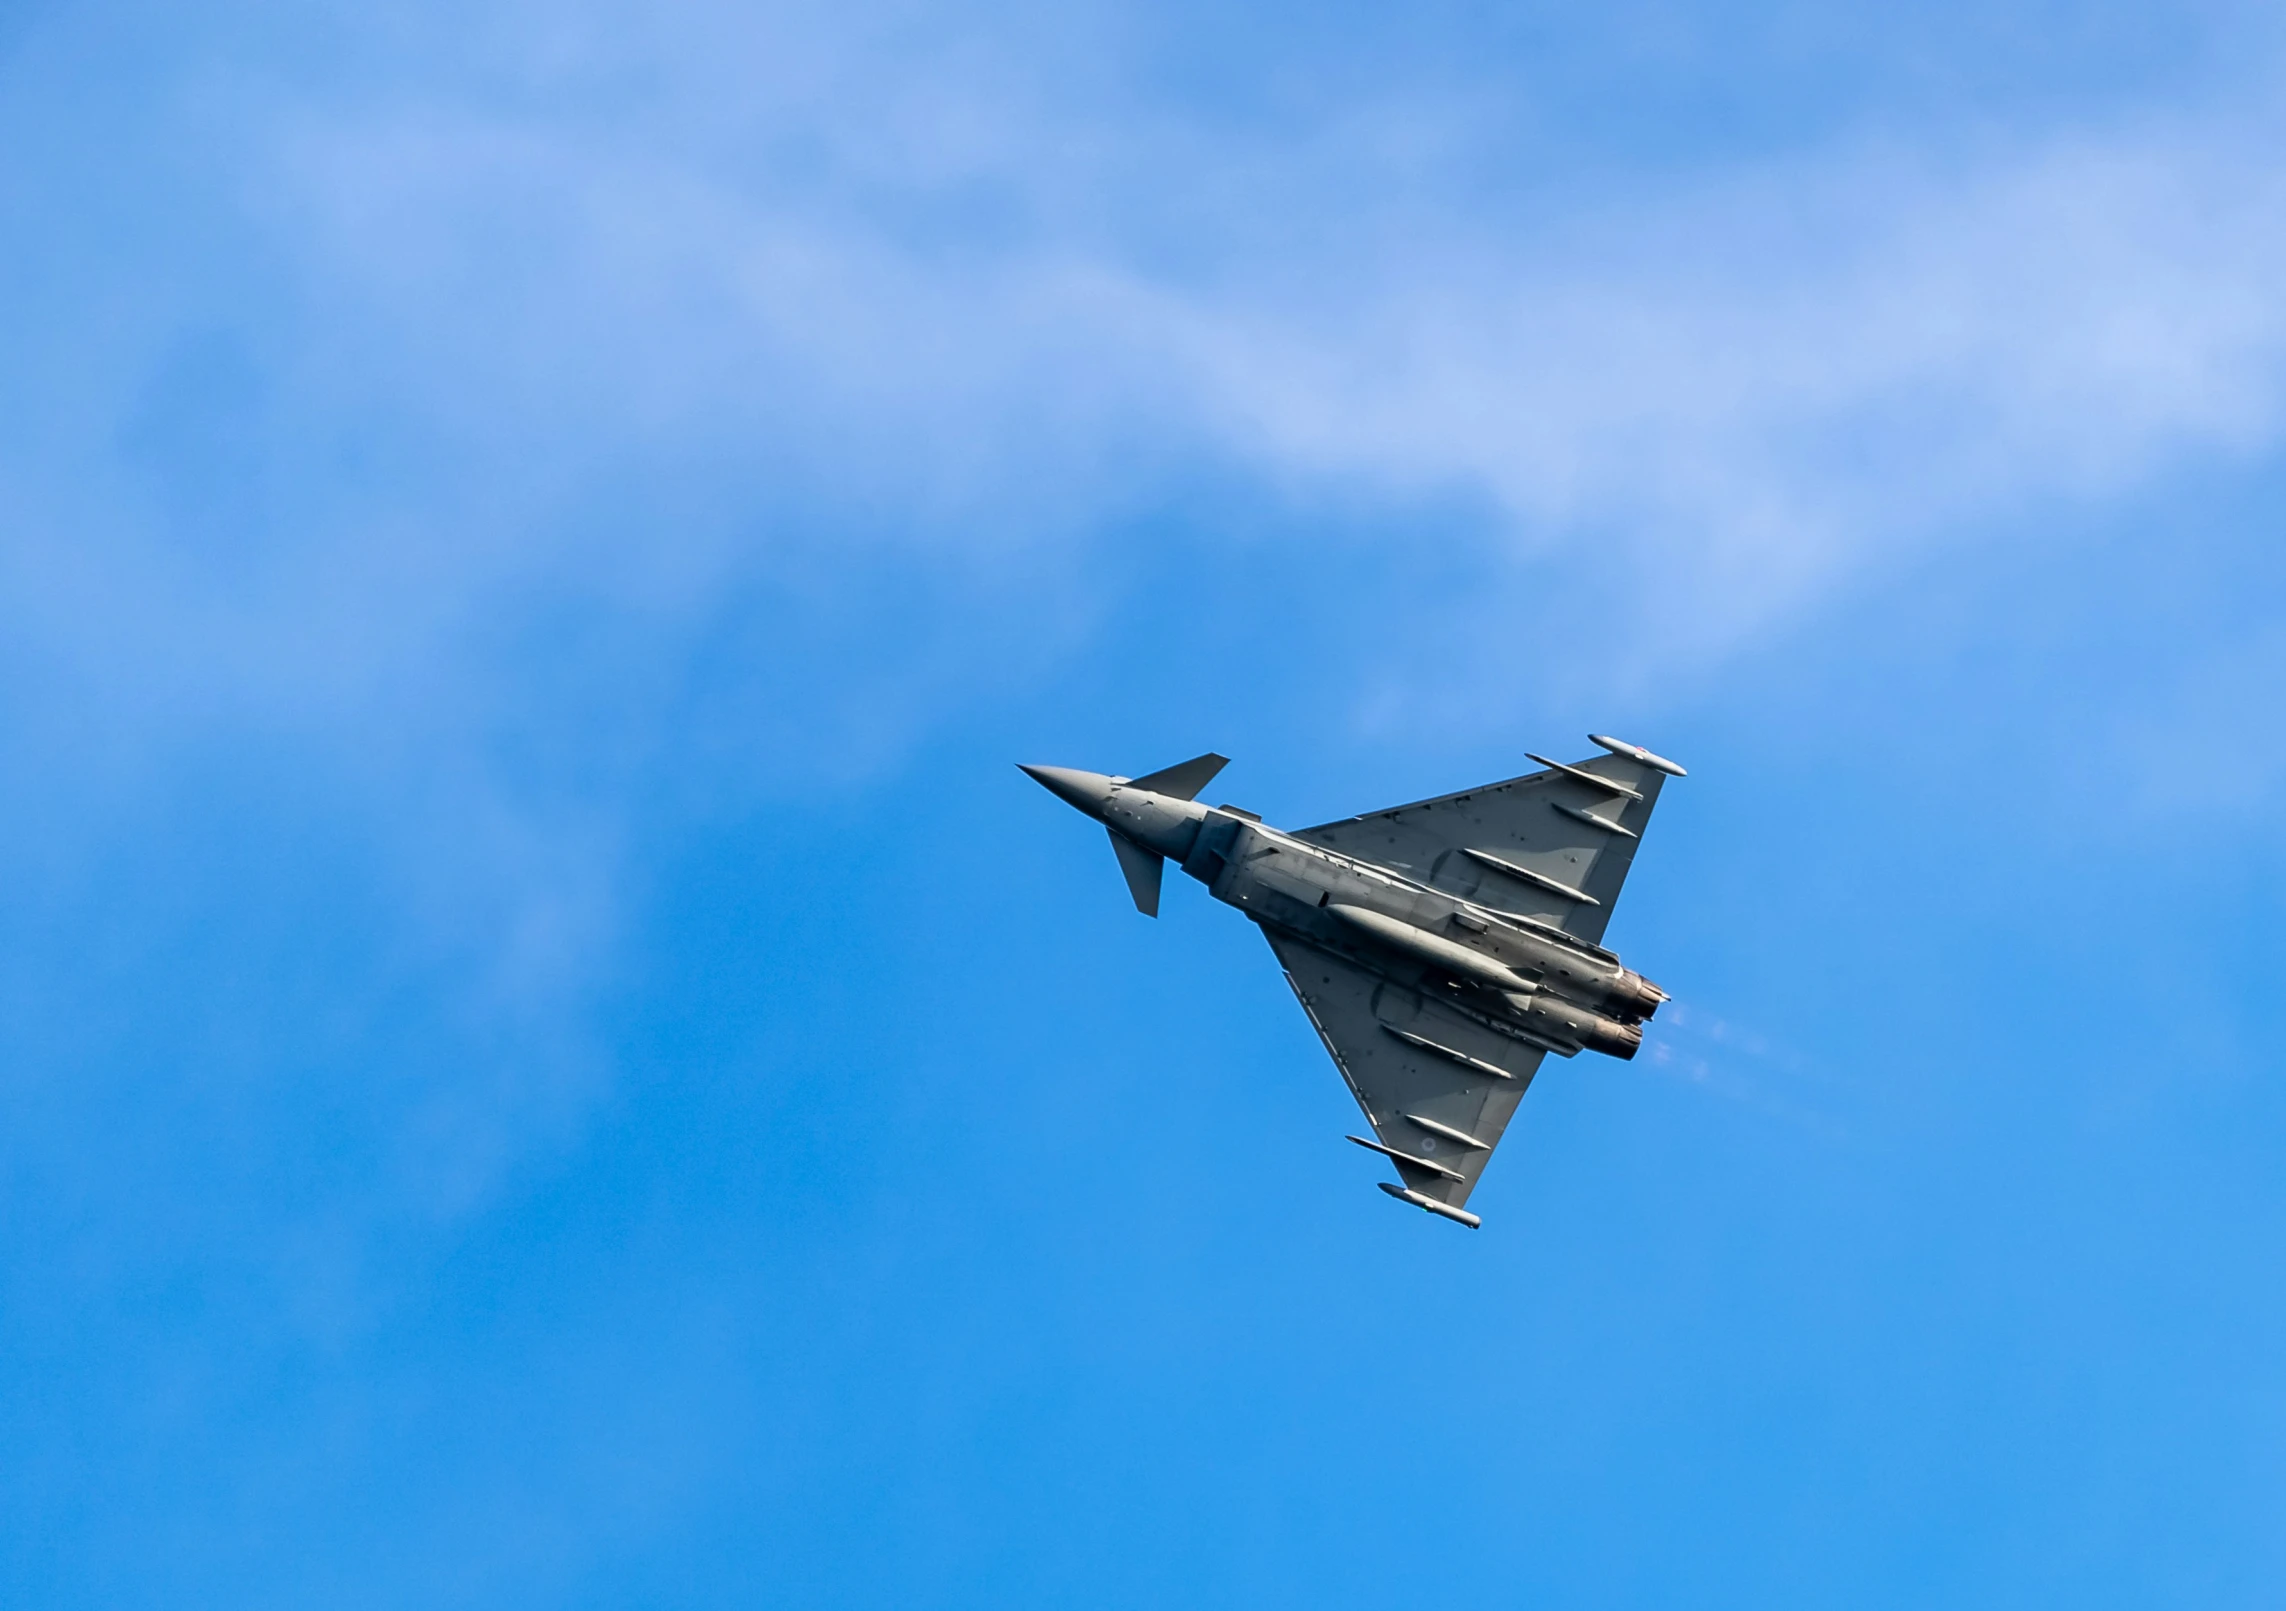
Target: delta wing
{"x": 1437, "y": 1081}
{"x": 1553, "y": 845}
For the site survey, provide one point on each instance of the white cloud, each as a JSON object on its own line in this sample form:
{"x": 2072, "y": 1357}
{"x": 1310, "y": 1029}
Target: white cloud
{"x": 977, "y": 311}
{"x": 817, "y": 281}
{"x": 863, "y": 281}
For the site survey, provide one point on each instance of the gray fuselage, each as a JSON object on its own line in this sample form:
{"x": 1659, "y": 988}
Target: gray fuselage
{"x": 1527, "y": 977}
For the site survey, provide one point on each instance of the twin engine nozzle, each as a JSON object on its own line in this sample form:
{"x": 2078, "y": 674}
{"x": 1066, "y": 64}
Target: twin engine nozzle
{"x": 1568, "y": 1021}
{"x": 1635, "y": 998}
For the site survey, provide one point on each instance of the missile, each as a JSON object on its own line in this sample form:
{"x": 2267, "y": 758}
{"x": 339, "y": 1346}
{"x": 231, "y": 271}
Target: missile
{"x": 1636, "y": 752}
{"x": 1432, "y": 949}
{"x": 1423, "y": 1200}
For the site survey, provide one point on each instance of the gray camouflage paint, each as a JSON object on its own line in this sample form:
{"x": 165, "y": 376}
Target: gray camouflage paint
{"x": 1441, "y": 949}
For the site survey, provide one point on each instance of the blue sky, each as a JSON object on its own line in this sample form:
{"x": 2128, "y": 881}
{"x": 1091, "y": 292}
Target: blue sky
{"x": 550, "y": 1059}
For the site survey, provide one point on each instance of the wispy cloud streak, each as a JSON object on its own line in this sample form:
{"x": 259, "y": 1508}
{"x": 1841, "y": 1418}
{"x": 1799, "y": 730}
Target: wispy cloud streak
{"x": 382, "y": 376}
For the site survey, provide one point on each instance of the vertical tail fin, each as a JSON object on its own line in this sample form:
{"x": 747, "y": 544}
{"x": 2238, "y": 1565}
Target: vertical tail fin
{"x": 1144, "y": 869}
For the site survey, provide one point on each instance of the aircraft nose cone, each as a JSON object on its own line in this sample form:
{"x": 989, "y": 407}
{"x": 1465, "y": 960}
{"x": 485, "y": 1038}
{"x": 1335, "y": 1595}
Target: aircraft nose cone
{"x": 1086, "y": 790}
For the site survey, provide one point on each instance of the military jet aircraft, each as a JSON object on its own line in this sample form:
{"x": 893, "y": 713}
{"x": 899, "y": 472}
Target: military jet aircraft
{"x": 1441, "y": 949}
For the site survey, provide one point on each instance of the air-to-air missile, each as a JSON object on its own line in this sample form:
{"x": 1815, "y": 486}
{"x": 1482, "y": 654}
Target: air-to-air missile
{"x": 1441, "y": 949}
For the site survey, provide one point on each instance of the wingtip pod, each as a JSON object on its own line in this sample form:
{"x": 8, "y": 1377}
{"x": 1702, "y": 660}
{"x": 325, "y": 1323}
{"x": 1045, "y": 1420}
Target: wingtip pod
{"x": 1636, "y": 752}
{"x": 1422, "y": 1200}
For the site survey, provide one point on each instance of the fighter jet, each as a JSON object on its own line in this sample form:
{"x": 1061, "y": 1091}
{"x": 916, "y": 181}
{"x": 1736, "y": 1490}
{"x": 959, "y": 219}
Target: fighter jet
{"x": 1441, "y": 949}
